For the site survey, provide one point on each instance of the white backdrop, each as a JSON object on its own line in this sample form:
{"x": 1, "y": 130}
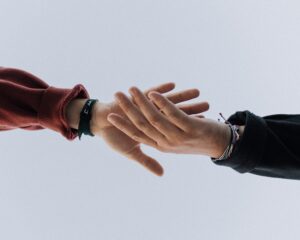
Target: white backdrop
{"x": 242, "y": 55}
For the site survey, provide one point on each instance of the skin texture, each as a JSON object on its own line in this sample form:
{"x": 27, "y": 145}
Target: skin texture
{"x": 154, "y": 120}
{"x": 120, "y": 141}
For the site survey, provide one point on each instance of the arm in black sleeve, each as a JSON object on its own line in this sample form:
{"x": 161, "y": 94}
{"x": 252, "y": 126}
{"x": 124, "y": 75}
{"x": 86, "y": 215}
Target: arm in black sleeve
{"x": 270, "y": 145}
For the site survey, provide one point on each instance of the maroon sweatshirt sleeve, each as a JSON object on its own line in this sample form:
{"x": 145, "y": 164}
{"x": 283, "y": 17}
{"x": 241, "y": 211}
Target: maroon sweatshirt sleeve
{"x": 29, "y": 103}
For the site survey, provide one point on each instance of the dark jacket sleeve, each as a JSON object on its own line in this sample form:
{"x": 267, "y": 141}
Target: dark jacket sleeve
{"x": 29, "y": 103}
{"x": 270, "y": 145}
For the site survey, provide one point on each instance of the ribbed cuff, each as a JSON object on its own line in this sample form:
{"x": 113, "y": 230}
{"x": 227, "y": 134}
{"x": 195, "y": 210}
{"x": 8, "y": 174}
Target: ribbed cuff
{"x": 52, "y": 110}
{"x": 248, "y": 151}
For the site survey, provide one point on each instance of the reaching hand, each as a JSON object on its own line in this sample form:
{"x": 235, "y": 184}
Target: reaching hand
{"x": 128, "y": 146}
{"x": 159, "y": 123}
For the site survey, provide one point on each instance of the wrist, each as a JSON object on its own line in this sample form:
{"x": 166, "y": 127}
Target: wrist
{"x": 73, "y": 110}
{"x": 99, "y": 113}
{"x": 99, "y": 117}
{"x": 222, "y": 139}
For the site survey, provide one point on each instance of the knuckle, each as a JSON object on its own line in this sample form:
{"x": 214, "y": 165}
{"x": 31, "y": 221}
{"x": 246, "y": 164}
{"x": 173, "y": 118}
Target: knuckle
{"x": 162, "y": 149}
{"x": 176, "y": 142}
{"x": 163, "y": 104}
{"x": 141, "y": 124}
{"x": 124, "y": 104}
{"x": 184, "y": 136}
{"x": 136, "y": 136}
{"x": 189, "y": 130}
{"x": 155, "y": 120}
{"x": 162, "y": 143}
{"x": 168, "y": 144}
{"x": 180, "y": 96}
{"x": 189, "y": 126}
{"x": 173, "y": 114}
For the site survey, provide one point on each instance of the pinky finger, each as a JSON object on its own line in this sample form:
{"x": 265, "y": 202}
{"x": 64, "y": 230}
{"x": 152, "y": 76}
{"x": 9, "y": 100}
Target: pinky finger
{"x": 129, "y": 129}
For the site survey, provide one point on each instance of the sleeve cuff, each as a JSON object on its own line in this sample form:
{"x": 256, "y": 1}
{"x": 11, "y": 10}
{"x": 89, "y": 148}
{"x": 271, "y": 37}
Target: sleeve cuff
{"x": 52, "y": 114}
{"x": 248, "y": 151}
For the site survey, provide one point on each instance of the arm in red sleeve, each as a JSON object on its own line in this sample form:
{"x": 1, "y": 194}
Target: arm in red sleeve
{"x": 28, "y": 102}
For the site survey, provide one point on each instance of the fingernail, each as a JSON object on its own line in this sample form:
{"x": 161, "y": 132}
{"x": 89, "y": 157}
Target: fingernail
{"x": 110, "y": 118}
{"x": 133, "y": 90}
{"x": 118, "y": 96}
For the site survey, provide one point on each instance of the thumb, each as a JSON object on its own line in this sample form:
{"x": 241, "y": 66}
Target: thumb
{"x": 148, "y": 162}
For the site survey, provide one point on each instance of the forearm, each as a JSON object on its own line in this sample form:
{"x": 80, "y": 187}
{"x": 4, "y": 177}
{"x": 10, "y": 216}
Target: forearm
{"x": 29, "y": 103}
{"x": 269, "y": 146}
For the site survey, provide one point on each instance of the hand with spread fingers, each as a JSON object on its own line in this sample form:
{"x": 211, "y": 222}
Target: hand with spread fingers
{"x": 155, "y": 120}
{"x": 126, "y": 139}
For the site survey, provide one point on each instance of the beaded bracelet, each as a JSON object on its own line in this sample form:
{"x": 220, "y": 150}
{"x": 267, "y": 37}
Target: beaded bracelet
{"x": 233, "y": 139}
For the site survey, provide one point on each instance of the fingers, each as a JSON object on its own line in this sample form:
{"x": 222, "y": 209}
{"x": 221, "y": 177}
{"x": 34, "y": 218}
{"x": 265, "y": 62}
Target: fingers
{"x": 148, "y": 162}
{"x": 163, "y": 88}
{"x": 137, "y": 118}
{"x": 194, "y": 108}
{"x": 184, "y": 95}
{"x": 177, "y": 97}
{"x": 174, "y": 115}
{"x": 129, "y": 129}
{"x": 150, "y": 112}
{"x": 181, "y": 96}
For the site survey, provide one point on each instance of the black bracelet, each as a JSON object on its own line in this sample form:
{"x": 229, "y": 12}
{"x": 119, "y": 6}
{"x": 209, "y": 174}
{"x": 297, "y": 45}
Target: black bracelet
{"x": 85, "y": 118}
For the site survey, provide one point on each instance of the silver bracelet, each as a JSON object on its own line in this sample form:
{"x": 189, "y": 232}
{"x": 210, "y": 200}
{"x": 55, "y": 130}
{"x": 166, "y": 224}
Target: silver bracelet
{"x": 235, "y": 136}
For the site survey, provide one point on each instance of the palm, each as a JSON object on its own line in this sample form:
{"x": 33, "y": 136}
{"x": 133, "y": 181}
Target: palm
{"x": 119, "y": 141}
{"x": 113, "y": 136}
{"x": 131, "y": 149}
{"x": 125, "y": 145}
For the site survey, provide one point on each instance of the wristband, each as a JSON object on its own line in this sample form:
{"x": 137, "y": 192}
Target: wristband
{"x": 85, "y": 118}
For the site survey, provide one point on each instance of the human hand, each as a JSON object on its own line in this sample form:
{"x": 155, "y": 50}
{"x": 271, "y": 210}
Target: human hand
{"x": 124, "y": 144}
{"x": 159, "y": 123}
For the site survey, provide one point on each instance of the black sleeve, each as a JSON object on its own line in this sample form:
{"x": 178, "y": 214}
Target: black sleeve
{"x": 270, "y": 145}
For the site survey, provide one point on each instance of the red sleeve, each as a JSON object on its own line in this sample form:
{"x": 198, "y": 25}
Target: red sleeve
{"x": 28, "y": 102}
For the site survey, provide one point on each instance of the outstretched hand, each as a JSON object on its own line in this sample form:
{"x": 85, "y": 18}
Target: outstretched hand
{"x": 123, "y": 141}
{"x": 159, "y": 123}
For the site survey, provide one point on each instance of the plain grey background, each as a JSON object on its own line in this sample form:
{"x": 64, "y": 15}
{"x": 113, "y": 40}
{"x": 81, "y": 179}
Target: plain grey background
{"x": 242, "y": 55}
